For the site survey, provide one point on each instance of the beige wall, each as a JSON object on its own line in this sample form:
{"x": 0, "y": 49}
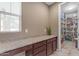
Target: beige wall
{"x": 53, "y": 17}
{"x": 34, "y": 18}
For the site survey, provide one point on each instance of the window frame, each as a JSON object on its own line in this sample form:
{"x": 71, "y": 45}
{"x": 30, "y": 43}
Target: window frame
{"x": 20, "y": 21}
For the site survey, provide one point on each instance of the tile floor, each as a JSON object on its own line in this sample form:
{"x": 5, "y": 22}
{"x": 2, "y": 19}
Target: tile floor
{"x": 68, "y": 49}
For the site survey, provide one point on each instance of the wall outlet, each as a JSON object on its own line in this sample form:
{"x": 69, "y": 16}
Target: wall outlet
{"x": 26, "y": 30}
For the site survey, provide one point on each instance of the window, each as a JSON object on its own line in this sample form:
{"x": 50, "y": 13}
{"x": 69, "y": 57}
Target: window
{"x": 10, "y": 16}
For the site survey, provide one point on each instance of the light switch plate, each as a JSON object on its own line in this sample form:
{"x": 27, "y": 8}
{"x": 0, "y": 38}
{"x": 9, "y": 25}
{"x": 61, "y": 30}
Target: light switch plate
{"x": 44, "y": 30}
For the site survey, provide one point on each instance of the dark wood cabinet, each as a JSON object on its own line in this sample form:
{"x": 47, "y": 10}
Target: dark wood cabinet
{"x": 39, "y": 44}
{"x": 39, "y": 49}
{"x": 42, "y": 53}
{"x": 51, "y": 45}
{"x": 43, "y": 48}
{"x": 49, "y": 48}
{"x": 28, "y": 52}
{"x": 16, "y": 51}
{"x": 54, "y": 45}
{"x": 54, "y": 42}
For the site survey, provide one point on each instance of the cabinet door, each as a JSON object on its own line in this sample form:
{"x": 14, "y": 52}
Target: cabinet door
{"x": 39, "y": 44}
{"x": 54, "y": 45}
{"x": 28, "y": 52}
{"x": 42, "y": 53}
{"x": 49, "y": 48}
{"x": 39, "y": 51}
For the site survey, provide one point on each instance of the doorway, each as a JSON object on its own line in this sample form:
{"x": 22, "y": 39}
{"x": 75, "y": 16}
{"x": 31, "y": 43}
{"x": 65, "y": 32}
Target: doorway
{"x": 68, "y": 24}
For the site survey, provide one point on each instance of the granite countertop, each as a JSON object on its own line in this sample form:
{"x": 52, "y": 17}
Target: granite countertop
{"x": 10, "y": 45}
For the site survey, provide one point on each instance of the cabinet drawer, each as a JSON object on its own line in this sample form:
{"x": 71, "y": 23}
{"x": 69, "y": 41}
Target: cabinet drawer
{"x": 42, "y": 53}
{"x": 54, "y": 45}
{"x": 49, "y": 40}
{"x": 28, "y": 53}
{"x": 49, "y": 48}
{"x": 55, "y": 38}
{"x": 38, "y": 50}
{"x": 16, "y": 51}
{"x": 39, "y": 44}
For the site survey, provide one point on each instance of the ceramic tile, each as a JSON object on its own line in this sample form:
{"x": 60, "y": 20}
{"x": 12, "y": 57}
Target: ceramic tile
{"x": 68, "y": 49}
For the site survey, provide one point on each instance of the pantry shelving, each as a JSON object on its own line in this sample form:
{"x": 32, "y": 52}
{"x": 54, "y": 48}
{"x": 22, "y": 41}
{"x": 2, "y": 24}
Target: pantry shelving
{"x": 69, "y": 25}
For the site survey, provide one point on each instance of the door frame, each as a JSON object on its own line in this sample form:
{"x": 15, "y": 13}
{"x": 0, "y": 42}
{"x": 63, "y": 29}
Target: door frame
{"x": 59, "y": 24}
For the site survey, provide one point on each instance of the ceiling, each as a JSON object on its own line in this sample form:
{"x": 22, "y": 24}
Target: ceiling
{"x": 70, "y": 7}
{"x": 49, "y": 3}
